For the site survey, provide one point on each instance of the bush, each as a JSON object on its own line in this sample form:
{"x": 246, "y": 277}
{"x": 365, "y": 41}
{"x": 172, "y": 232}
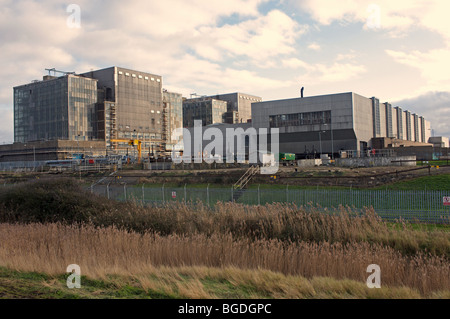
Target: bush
{"x": 49, "y": 201}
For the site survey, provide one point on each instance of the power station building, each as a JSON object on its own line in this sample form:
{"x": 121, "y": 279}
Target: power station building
{"x": 111, "y": 105}
{"x": 337, "y": 122}
{"x": 230, "y": 108}
{"x": 55, "y": 108}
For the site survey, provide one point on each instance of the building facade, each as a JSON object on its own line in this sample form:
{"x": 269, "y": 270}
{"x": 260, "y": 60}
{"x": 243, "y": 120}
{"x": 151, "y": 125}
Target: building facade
{"x": 55, "y": 108}
{"x": 331, "y": 123}
{"x": 134, "y": 109}
{"x": 239, "y": 106}
{"x": 173, "y": 117}
{"x": 208, "y": 110}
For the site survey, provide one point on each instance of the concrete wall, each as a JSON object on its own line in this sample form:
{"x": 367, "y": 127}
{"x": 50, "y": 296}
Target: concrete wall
{"x": 240, "y": 102}
{"x": 296, "y": 139}
{"x": 376, "y": 161}
{"x": 309, "y": 162}
{"x": 394, "y": 123}
{"x": 363, "y": 119}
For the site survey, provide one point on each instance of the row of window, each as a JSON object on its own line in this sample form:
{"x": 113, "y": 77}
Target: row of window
{"x": 249, "y": 98}
{"x": 299, "y": 119}
{"x": 139, "y": 76}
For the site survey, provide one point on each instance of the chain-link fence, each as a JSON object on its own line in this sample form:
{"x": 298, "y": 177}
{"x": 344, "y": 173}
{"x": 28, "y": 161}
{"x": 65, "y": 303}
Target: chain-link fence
{"x": 421, "y": 206}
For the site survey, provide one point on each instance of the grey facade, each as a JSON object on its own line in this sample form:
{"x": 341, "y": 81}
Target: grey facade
{"x": 173, "y": 116}
{"x": 208, "y": 110}
{"x": 240, "y": 104}
{"x": 56, "y": 108}
{"x": 329, "y": 123}
{"x": 138, "y": 106}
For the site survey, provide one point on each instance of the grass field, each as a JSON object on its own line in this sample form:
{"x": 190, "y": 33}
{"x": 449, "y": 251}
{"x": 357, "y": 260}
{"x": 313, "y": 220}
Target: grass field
{"x": 229, "y": 251}
{"x": 434, "y": 182}
{"x": 197, "y": 283}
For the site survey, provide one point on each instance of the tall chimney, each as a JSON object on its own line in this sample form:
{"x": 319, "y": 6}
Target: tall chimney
{"x": 301, "y": 92}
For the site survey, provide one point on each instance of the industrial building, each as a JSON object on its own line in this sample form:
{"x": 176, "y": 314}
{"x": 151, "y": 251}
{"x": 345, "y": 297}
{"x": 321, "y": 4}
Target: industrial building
{"x": 212, "y": 109}
{"x": 239, "y": 106}
{"x": 112, "y": 105}
{"x": 336, "y": 122}
{"x": 208, "y": 110}
{"x": 55, "y": 108}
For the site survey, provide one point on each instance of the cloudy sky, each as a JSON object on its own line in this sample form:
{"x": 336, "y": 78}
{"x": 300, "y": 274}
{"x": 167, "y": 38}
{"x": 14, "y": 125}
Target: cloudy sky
{"x": 398, "y": 51}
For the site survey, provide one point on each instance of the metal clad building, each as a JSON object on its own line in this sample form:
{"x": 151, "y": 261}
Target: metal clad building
{"x": 344, "y": 121}
{"x": 56, "y": 108}
{"x": 240, "y": 103}
{"x": 208, "y": 110}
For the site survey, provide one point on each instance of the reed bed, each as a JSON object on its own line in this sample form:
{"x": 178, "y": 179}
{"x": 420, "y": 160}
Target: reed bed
{"x": 100, "y": 252}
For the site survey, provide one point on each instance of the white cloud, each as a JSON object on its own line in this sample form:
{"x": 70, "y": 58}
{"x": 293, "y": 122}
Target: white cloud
{"x": 432, "y": 65}
{"x": 326, "y": 73}
{"x": 259, "y": 39}
{"x": 393, "y": 15}
{"x": 314, "y": 46}
{"x": 294, "y": 63}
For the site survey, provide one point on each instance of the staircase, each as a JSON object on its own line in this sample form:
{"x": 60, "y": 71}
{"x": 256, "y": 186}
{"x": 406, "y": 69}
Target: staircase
{"x": 239, "y": 186}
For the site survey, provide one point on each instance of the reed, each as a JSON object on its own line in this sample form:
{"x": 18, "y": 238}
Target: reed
{"x": 100, "y": 252}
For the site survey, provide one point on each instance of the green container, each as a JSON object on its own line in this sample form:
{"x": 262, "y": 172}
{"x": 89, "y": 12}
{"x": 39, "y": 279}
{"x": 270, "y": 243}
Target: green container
{"x": 287, "y": 157}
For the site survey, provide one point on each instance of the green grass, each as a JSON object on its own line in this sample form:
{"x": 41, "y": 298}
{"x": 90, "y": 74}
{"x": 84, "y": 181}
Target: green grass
{"x": 433, "y": 163}
{"x": 434, "y": 182}
{"x": 196, "y": 283}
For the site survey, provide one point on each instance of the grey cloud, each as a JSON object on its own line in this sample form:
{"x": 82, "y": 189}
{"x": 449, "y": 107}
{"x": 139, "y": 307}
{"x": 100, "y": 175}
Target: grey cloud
{"x": 435, "y": 107}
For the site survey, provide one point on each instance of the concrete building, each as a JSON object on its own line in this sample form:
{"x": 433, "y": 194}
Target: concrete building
{"x": 331, "y": 123}
{"x": 239, "y": 105}
{"x": 208, "y": 110}
{"x": 439, "y": 141}
{"x": 55, "y": 108}
{"x": 104, "y": 105}
{"x": 173, "y": 117}
{"x": 133, "y": 104}
{"x": 50, "y": 150}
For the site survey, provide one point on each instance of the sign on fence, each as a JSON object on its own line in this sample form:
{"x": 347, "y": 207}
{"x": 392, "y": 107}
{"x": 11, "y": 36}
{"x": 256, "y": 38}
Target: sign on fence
{"x": 446, "y": 201}
{"x": 174, "y": 194}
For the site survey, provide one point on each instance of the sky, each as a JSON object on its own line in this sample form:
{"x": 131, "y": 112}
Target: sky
{"x": 398, "y": 51}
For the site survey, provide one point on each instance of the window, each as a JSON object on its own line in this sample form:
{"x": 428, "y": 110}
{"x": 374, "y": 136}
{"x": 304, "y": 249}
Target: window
{"x": 158, "y": 80}
{"x": 153, "y": 79}
{"x": 120, "y": 72}
{"x": 133, "y": 75}
{"x": 127, "y": 74}
{"x": 146, "y": 78}
{"x": 299, "y": 119}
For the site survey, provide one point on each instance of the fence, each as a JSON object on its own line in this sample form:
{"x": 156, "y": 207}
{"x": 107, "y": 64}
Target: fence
{"x": 421, "y": 206}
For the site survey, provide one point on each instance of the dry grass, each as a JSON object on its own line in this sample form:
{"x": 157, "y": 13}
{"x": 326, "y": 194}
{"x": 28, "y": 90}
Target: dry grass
{"x": 63, "y": 201}
{"x": 49, "y": 248}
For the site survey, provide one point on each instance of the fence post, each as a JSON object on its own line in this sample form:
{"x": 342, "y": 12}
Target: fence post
{"x": 185, "y": 194}
{"x": 207, "y": 195}
{"x": 125, "y": 191}
{"x": 259, "y": 196}
{"x": 232, "y": 198}
{"x": 163, "y": 192}
{"x": 92, "y": 188}
{"x": 143, "y": 195}
{"x": 107, "y": 190}
{"x": 287, "y": 193}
